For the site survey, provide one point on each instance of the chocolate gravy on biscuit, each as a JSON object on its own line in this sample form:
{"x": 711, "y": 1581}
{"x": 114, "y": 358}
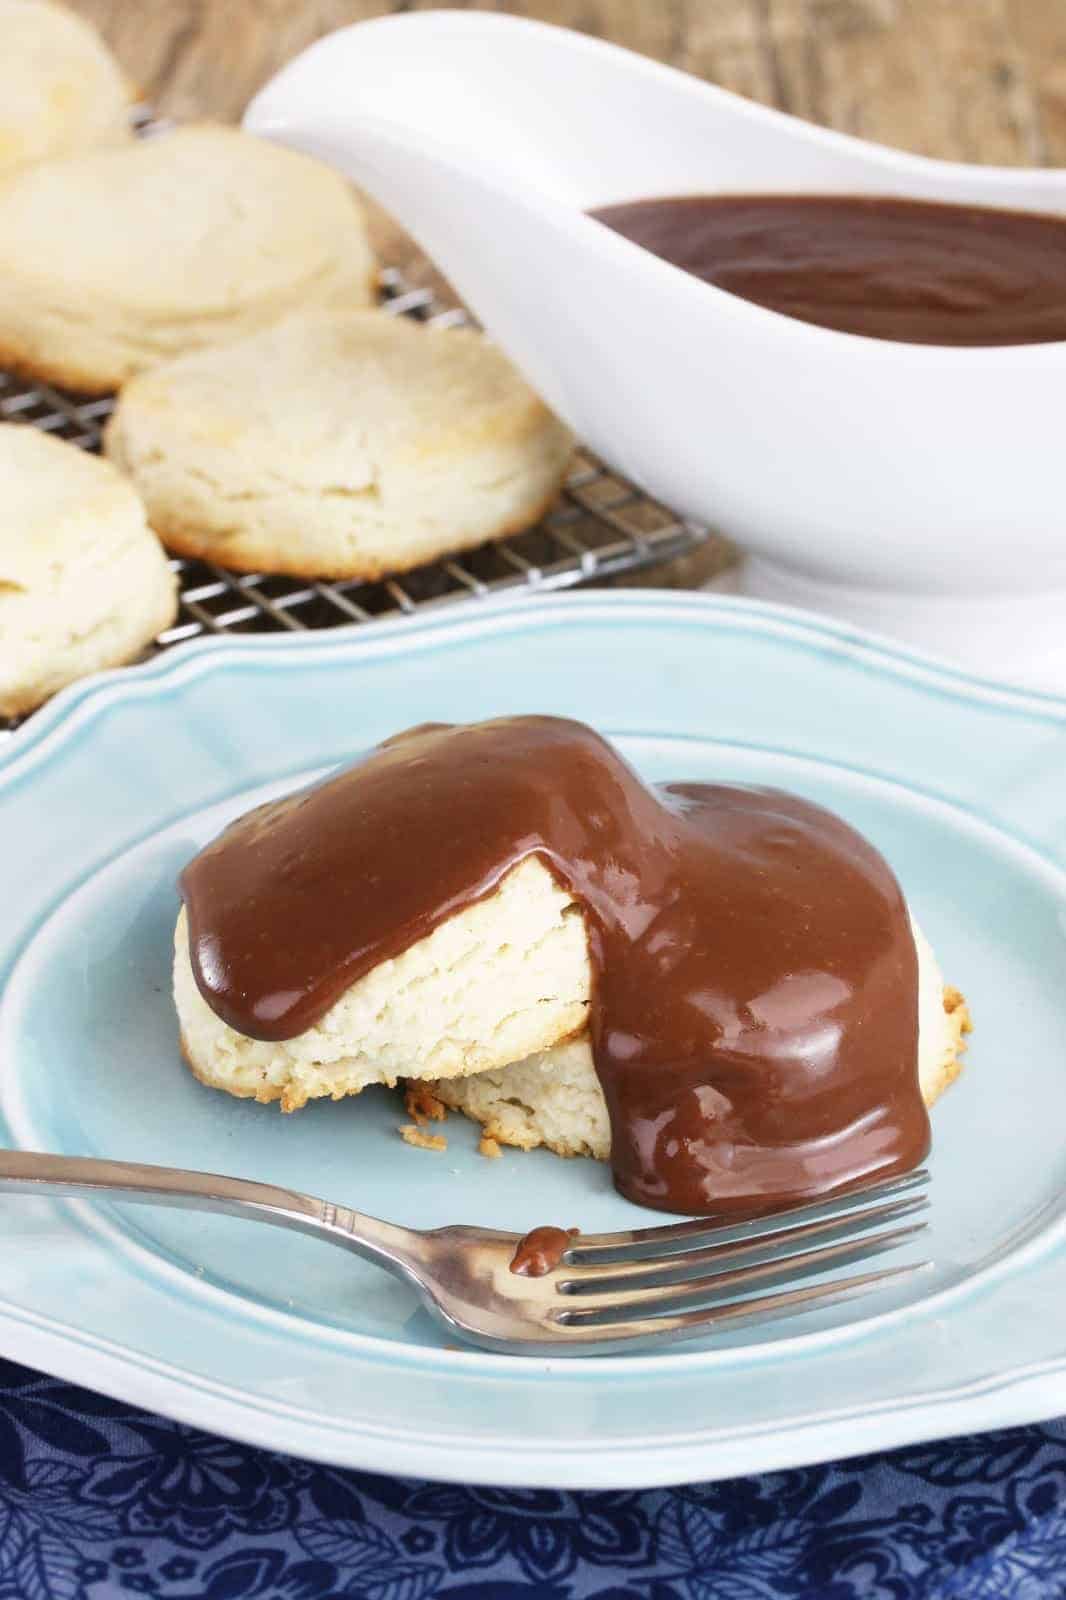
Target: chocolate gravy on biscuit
{"x": 754, "y": 1006}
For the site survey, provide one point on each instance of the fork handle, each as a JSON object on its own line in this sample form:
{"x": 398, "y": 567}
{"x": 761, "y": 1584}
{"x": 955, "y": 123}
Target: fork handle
{"x": 84, "y": 1177}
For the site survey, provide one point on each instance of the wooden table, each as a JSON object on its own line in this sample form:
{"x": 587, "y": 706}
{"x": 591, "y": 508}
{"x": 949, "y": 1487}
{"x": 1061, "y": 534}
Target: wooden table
{"x": 973, "y": 80}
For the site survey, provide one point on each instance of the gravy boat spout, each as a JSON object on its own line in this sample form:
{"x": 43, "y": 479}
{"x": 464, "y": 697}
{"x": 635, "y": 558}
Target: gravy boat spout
{"x": 912, "y": 489}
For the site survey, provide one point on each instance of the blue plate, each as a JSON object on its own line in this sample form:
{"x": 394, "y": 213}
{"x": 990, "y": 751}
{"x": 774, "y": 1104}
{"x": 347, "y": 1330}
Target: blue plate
{"x": 274, "y": 1338}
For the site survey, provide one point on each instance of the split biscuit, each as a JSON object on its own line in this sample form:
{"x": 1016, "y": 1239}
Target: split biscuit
{"x": 504, "y": 977}
{"x": 452, "y": 1017}
{"x": 553, "y": 1098}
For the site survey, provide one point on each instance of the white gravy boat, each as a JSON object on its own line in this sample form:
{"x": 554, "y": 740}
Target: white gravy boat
{"x": 919, "y": 491}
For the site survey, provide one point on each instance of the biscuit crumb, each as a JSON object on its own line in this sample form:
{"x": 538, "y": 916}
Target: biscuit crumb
{"x": 953, "y": 999}
{"x": 423, "y": 1105}
{"x": 488, "y": 1146}
{"x": 422, "y": 1141}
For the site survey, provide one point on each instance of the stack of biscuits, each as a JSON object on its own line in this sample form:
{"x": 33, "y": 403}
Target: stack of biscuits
{"x": 487, "y": 1015}
{"x": 268, "y": 417}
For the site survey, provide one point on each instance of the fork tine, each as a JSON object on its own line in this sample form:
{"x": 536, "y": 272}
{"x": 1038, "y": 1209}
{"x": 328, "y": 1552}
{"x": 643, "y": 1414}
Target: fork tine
{"x": 678, "y": 1266}
{"x": 690, "y": 1294}
{"x": 623, "y": 1246}
{"x": 662, "y": 1329}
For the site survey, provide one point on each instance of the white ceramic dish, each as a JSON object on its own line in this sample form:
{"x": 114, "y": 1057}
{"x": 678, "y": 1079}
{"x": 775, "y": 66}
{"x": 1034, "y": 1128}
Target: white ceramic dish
{"x": 277, "y": 1340}
{"x": 913, "y": 490}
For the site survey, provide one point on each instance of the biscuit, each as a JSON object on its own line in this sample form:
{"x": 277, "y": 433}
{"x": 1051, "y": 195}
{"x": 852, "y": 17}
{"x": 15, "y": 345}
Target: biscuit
{"x": 84, "y": 583}
{"x": 502, "y": 978}
{"x": 452, "y": 1016}
{"x": 115, "y": 260}
{"x": 60, "y": 89}
{"x": 339, "y": 446}
{"x": 553, "y": 1098}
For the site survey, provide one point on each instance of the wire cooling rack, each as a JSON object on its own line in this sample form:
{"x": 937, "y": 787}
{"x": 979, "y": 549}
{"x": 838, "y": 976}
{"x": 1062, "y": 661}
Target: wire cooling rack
{"x": 602, "y": 527}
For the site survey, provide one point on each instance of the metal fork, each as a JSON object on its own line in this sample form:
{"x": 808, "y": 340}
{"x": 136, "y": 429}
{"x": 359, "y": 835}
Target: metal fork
{"x": 610, "y": 1290}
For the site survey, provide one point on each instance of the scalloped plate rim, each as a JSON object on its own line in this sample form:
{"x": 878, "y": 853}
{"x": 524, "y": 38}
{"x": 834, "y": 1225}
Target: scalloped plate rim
{"x": 86, "y": 1357}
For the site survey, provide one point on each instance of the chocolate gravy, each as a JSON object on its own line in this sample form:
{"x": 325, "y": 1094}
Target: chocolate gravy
{"x": 910, "y": 270}
{"x": 541, "y": 1251}
{"x": 754, "y": 1008}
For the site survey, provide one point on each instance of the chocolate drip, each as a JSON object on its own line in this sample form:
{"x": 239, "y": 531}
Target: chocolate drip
{"x": 541, "y": 1250}
{"x": 754, "y": 1008}
{"x": 909, "y": 270}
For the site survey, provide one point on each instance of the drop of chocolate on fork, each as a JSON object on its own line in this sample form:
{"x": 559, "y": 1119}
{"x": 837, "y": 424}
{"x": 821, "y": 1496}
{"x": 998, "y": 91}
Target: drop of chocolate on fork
{"x": 541, "y": 1251}
{"x": 754, "y": 1006}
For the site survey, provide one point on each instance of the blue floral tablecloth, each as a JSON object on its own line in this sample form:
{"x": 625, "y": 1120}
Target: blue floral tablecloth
{"x": 99, "y": 1499}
